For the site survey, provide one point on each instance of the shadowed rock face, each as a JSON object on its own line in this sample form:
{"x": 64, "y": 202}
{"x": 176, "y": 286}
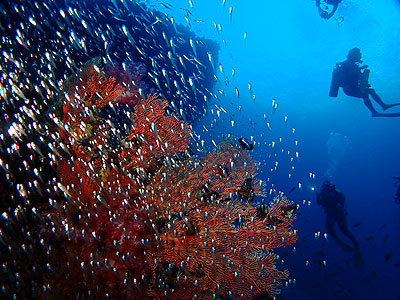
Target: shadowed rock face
{"x": 130, "y": 32}
{"x": 44, "y": 43}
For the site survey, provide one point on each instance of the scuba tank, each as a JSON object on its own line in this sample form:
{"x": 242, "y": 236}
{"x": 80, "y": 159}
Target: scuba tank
{"x": 364, "y": 84}
{"x": 335, "y": 82}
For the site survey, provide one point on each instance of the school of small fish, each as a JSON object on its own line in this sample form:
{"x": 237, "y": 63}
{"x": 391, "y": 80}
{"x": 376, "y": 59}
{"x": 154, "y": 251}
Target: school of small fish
{"x": 43, "y": 43}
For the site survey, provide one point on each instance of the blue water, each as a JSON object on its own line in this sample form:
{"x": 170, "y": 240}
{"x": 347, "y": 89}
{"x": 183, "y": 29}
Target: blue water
{"x": 288, "y": 55}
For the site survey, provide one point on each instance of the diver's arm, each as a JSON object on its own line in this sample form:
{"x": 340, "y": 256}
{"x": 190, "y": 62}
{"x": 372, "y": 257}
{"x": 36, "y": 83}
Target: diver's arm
{"x": 324, "y": 14}
{"x": 335, "y": 6}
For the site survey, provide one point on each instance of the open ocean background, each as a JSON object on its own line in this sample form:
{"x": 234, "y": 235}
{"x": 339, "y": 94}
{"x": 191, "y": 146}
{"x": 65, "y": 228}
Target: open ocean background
{"x": 288, "y": 55}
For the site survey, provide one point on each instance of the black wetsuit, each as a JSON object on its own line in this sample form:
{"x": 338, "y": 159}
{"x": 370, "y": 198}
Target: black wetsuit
{"x": 351, "y": 80}
{"x": 354, "y": 81}
{"x": 333, "y": 202}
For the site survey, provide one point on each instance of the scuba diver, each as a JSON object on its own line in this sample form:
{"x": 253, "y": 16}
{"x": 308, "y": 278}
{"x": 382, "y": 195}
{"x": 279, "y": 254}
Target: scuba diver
{"x": 324, "y": 9}
{"x": 332, "y": 201}
{"x": 353, "y": 78}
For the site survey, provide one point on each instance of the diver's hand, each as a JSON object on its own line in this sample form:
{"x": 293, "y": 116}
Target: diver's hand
{"x": 364, "y": 67}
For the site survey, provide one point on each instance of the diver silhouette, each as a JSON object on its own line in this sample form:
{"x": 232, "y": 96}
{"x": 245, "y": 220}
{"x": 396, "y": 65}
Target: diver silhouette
{"x": 332, "y": 201}
{"x": 327, "y": 8}
{"x": 353, "y": 78}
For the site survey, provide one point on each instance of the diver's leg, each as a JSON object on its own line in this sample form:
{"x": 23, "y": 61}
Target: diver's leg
{"x": 368, "y": 104}
{"x": 358, "y": 260}
{"x": 378, "y": 100}
{"x": 330, "y": 227}
{"x": 343, "y": 228}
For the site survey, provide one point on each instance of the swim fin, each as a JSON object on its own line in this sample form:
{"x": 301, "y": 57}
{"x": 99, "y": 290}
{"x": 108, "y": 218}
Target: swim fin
{"x": 387, "y": 106}
{"x": 390, "y": 115}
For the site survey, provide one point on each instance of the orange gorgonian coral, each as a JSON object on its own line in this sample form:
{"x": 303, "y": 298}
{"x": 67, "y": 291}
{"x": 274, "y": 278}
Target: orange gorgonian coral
{"x": 213, "y": 241}
{"x": 144, "y": 212}
{"x": 154, "y": 133}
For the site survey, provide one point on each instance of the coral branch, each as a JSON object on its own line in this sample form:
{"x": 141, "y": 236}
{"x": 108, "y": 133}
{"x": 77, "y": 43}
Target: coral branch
{"x": 154, "y": 133}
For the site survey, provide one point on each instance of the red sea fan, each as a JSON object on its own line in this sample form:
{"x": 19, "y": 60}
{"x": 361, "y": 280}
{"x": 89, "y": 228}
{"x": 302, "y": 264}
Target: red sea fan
{"x": 154, "y": 133}
{"x": 223, "y": 251}
{"x": 214, "y": 242}
{"x": 130, "y": 75}
{"x": 142, "y": 220}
